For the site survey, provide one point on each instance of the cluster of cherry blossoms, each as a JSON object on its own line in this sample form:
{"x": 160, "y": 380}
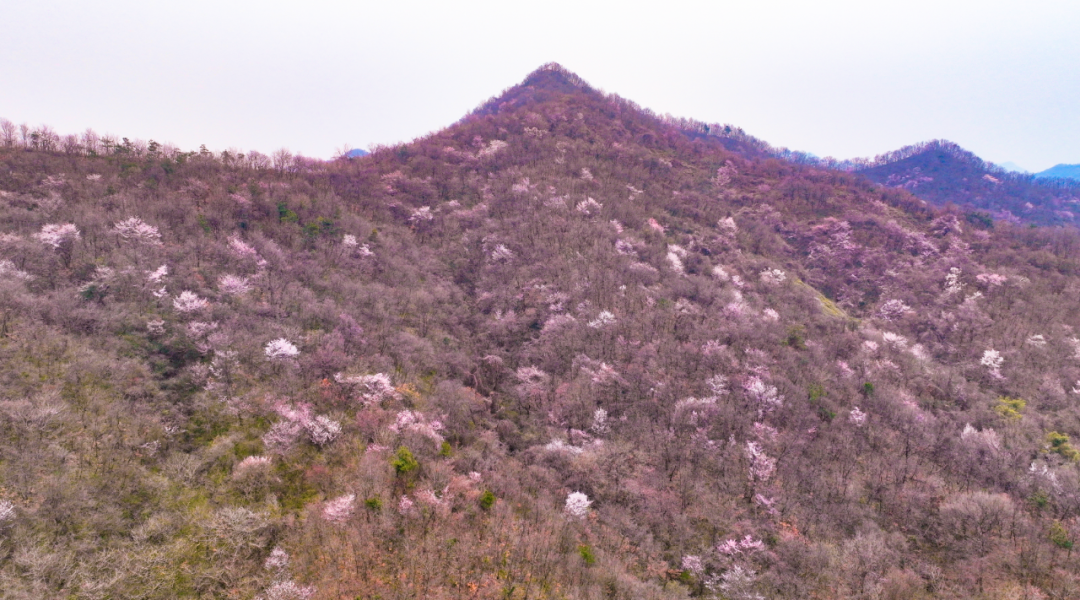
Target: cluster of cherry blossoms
{"x": 233, "y": 285}
{"x": 493, "y": 147}
{"x": 603, "y": 319}
{"x": 532, "y": 381}
{"x": 138, "y": 231}
{"x": 987, "y": 438}
{"x": 287, "y": 590}
{"x": 589, "y": 207}
{"x": 297, "y": 422}
{"x": 675, "y": 256}
{"x": 252, "y": 464}
{"x": 421, "y": 215}
{"x": 416, "y": 422}
{"x": 857, "y": 417}
{"x": 577, "y": 505}
{"x": 7, "y": 511}
{"x": 280, "y": 349}
{"x": 57, "y": 234}
{"x": 245, "y": 251}
{"x": 339, "y": 509}
{"x": 761, "y": 466}
{"x": 371, "y": 388}
{"x": 766, "y": 397}
{"x": 502, "y": 254}
{"x": 992, "y": 360}
{"x": 158, "y": 274}
{"x": 891, "y": 310}
{"x": 772, "y": 277}
{"x": 189, "y": 302}
{"x": 724, "y": 174}
{"x": 953, "y": 285}
{"x": 746, "y": 545}
{"x": 8, "y": 270}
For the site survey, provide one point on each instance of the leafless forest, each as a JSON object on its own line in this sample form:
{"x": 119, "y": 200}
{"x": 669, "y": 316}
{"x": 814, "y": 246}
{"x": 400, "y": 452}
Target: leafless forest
{"x": 562, "y": 349}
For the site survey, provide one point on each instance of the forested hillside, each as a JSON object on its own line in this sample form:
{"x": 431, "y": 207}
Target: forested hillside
{"x": 560, "y": 349}
{"x": 942, "y": 173}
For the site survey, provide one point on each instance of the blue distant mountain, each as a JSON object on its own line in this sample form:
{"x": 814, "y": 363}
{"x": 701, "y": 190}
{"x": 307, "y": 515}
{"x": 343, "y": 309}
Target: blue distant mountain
{"x": 356, "y": 153}
{"x": 1062, "y": 171}
{"x": 942, "y": 173}
{"x": 1012, "y": 167}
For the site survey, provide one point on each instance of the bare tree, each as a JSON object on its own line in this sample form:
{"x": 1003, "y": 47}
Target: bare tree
{"x": 7, "y": 133}
{"x": 90, "y": 141}
{"x": 281, "y": 159}
{"x": 70, "y": 144}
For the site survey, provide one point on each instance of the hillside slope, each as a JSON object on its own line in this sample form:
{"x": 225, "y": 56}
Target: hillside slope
{"x": 561, "y": 349}
{"x": 943, "y": 173}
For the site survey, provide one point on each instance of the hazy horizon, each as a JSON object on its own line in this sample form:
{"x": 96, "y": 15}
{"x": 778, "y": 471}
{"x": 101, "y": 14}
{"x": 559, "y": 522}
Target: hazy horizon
{"x": 839, "y": 79}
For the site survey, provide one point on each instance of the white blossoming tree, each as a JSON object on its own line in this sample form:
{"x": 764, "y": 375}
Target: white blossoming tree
{"x": 762, "y": 466}
{"x": 233, "y": 285}
{"x": 280, "y": 349}
{"x": 857, "y": 417}
{"x": 138, "y": 231}
{"x": 61, "y": 237}
{"x": 577, "y": 505}
{"x": 992, "y": 360}
{"x": 189, "y": 302}
{"x": 339, "y": 509}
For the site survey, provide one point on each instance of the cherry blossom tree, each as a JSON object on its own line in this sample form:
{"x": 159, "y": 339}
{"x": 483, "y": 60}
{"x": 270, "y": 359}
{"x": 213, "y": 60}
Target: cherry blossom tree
{"x": 280, "y": 349}
{"x": 339, "y": 509}
{"x": 233, "y": 285}
{"x": 992, "y": 360}
{"x": 136, "y": 230}
{"x": 577, "y": 505}
{"x": 189, "y": 302}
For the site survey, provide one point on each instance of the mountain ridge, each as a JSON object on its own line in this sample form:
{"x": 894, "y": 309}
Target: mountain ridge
{"x": 562, "y": 349}
{"x": 1061, "y": 171}
{"x": 942, "y": 172}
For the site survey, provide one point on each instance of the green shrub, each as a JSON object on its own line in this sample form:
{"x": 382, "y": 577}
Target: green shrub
{"x": 1010, "y": 409}
{"x": 1060, "y": 536}
{"x": 587, "y": 554}
{"x": 1059, "y": 443}
{"x": 404, "y": 462}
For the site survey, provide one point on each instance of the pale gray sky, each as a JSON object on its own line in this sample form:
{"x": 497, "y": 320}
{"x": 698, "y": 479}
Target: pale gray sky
{"x": 839, "y": 78}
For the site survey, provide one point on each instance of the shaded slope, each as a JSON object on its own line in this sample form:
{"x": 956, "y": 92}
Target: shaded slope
{"x": 941, "y": 172}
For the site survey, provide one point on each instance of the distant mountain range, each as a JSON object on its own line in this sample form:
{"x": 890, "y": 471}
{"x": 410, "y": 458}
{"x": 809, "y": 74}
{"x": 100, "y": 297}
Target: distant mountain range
{"x": 1012, "y": 167}
{"x": 1059, "y": 171}
{"x": 1062, "y": 171}
{"x": 939, "y": 172}
{"x": 942, "y": 173}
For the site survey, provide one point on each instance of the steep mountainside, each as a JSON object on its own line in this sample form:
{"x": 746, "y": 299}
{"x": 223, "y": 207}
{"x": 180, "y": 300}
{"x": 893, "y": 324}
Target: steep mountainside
{"x": 942, "y": 173}
{"x": 561, "y": 349}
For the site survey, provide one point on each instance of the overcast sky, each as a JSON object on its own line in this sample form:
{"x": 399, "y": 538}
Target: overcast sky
{"x": 836, "y": 78}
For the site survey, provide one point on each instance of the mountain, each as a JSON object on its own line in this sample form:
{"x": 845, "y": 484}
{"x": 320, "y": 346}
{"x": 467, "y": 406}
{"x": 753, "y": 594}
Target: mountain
{"x": 1060, "y": 171}
{"x": 563, "y": 348}
{"x": 356, "y": 153}
{"x": 1012, "y": 167}
{"x": 941, "y": 173}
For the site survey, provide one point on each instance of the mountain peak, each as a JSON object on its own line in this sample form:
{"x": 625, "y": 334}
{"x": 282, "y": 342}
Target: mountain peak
{"x": 556, "y": 78}
{"x": 548, "y": 81}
